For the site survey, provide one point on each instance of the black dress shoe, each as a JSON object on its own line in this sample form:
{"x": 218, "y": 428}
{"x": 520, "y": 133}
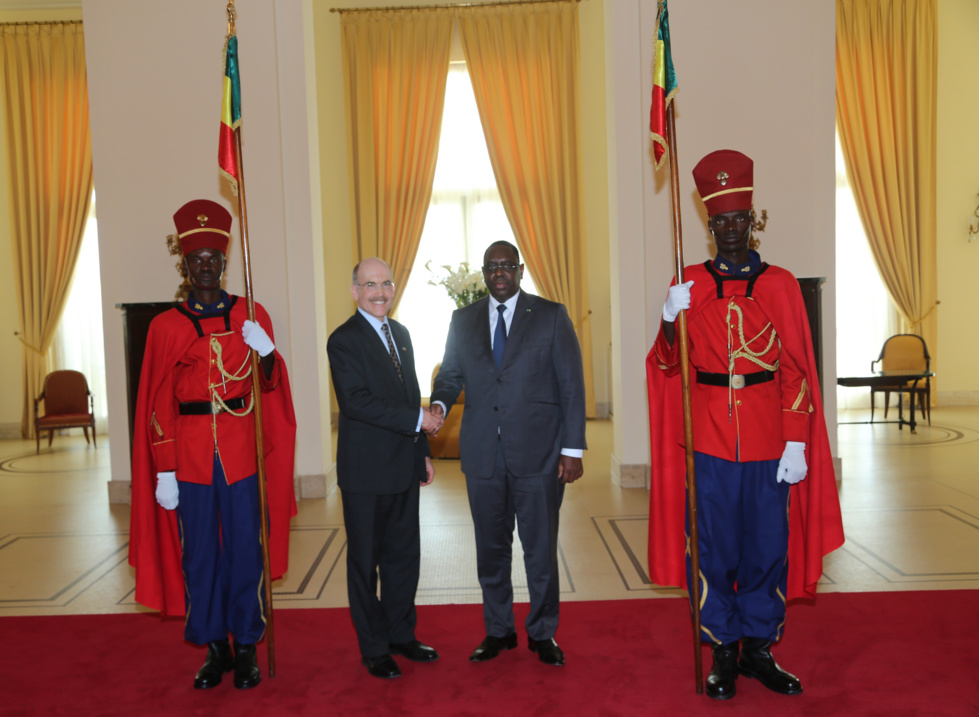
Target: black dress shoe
{"x": 720, "y": 681}
{"x": 757, "y": 662}
{"x": 384, "y": 667}
{"x": 247, "y": 674}
{"x": 547, "y": 650}
{"x": 491, "y": 646}
{"x": 219, "y": 661}
{"x": 415, "y": 651}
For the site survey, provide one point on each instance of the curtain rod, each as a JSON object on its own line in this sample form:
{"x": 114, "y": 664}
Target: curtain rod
{"x": 449, "y": 5}
{"x": 42, "y": 22}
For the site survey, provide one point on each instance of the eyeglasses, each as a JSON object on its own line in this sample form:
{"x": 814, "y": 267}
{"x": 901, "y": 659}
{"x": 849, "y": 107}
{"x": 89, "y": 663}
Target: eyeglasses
{"x": 508, "y": 266}
{"x": 371, "y": 285}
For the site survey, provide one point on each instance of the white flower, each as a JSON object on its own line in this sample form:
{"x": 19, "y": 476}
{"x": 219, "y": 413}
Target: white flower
{"x": 462, "y": 285}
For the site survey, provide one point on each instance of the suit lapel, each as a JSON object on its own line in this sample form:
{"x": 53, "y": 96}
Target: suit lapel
{"x": 481, "y": 327}
{"x": 376, "y": 350}
{"x": 401, "y": 340}
{"x": 519, "y": 325}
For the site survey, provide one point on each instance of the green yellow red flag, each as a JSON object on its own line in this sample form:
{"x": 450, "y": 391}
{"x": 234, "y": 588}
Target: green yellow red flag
{"x": 230, "y": 116}
{"x": 664, "y": 84}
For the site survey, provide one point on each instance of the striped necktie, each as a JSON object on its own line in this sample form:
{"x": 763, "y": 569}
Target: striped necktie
{"x": 394, "y": 354}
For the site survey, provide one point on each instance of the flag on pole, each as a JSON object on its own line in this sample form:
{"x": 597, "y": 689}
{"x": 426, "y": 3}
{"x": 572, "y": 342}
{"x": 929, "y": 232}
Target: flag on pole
{"x": 664, "y": 84}
{"x": 230, "y": 116}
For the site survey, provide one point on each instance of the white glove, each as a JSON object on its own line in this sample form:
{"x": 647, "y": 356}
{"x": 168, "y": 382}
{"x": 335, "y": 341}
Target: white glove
{"x": 677, "y": 300}
{"x": 256, "y": 338}
{"x": 792, "y": 466}
{"x": 167, "y": 494}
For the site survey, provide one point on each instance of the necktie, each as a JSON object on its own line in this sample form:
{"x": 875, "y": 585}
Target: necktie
{"x": 394, "y": 354}
{"x": 499, "y": 336}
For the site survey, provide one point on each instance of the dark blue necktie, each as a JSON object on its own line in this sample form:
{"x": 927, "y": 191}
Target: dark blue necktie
{"x": 499, "y": 336}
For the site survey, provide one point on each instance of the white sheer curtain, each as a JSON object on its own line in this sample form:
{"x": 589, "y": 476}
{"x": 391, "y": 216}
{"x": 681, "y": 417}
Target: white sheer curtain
{"x": 465, "y": 216}
{"x": 78, "y": 342}
{"x": 865, "y": 316}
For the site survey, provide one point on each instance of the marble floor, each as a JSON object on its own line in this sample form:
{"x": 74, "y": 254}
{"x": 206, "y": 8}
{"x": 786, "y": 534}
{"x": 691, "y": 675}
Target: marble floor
{"x": 910, "y": 509}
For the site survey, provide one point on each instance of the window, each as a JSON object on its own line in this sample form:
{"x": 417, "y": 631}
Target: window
{"x": 465, "y": 216}
{"x": 78, "y": 342}
{"x": 864, "y": 314}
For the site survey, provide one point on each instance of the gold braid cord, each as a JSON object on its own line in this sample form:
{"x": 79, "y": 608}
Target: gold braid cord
{"x": 742, "y": 350}
{"x": 244, "y": 371}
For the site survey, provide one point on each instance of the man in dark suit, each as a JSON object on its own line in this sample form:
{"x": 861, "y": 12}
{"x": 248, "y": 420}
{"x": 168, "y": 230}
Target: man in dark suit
{"x": 521, "y": 441}
{"x": 382, "y": 460}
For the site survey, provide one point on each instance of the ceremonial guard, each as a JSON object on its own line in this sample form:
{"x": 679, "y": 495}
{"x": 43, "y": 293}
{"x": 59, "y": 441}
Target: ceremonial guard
{"x": 195, "y": 526}
{"x": 767, "y": 503}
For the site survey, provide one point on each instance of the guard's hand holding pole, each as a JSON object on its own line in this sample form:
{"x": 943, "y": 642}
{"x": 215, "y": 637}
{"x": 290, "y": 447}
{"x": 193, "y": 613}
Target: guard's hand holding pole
{"x": 167, "y": 493}
{"x": 792, "y": 466}
{"x": 677, "y": 300}
{"x": 256, "y": 338}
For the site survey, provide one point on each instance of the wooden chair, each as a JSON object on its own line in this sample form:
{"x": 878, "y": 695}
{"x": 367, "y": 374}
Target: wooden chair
{"x": 446, "y": 443}
{"x": 904, "y": 352}
{"x": 67, "y": 404}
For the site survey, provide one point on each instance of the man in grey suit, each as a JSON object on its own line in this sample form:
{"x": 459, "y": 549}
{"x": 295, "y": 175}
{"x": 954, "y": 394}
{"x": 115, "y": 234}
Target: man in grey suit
{"x": 521, "y": 441}
{"x": 382, "y": 460}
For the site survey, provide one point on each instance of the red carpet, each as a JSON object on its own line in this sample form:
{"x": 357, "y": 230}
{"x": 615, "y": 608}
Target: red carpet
{"x": 907, "y": 653}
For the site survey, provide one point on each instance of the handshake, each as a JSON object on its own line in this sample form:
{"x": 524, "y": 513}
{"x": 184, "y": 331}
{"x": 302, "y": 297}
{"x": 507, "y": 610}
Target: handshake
{"x": 432, "y": 419}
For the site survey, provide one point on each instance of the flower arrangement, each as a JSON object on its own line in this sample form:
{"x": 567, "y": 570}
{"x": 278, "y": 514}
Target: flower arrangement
{"x": 463, "y": 285}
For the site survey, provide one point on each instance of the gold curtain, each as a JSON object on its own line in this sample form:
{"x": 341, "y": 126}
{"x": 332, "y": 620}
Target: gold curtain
{"x": 395, "y": 66}
{"x": 525, "y": 69}
{"x": 45, "y": 98}
{"x": 886, "y": 79}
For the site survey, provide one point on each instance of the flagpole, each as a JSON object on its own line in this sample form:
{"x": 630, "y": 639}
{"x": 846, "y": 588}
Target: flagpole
{"x": 684, "y": 347}
{"x": 256, "y": 385}
{"x": 662, "y": 127}
{"x": 257, "y": 393}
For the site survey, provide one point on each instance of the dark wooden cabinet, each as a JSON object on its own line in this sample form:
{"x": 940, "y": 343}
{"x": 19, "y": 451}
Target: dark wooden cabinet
{"x": 812, "y": 295}
{"x": 136, "y": 320}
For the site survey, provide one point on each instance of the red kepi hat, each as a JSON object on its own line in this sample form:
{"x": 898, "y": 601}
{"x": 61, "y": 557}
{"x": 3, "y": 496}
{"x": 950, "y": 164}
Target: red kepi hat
{"x": 201, "y": 224}
{"x": 724, "y": 181}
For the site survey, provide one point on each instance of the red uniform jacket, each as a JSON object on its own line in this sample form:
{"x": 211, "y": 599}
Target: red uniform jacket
{"x": 768, "y": 331}
{"x": 181, "y": 365}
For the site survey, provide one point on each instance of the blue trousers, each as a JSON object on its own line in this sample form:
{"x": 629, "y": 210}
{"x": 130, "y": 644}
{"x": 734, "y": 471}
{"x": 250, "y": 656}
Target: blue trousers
{"x": 743, "y": 521}
{"x": 222, "y": 559}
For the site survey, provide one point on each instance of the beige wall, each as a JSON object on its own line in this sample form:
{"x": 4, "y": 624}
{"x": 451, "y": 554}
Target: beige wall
{"x": 757, "y": 77}
{"x": 11, "y": 350}
{"x": 155, "y": 82}
{"x": 958, "y": 183}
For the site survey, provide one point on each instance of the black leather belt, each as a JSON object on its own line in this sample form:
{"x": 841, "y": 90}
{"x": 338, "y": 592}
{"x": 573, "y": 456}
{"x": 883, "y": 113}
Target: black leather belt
{"x": 203, "y": 408}
{"x": 738, "y": 380}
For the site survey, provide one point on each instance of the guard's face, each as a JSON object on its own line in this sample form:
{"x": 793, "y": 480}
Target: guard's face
{"x": 374, "y": 288}
{"x": 732, "y": 231}
{"x": 205, "y": 267}
{"x": 502, "y": 272}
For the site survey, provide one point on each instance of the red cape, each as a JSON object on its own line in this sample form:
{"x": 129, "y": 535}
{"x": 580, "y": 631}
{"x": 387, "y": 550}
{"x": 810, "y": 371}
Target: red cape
{"x": 815, "y": 523}
{"x": 154, "y": 539}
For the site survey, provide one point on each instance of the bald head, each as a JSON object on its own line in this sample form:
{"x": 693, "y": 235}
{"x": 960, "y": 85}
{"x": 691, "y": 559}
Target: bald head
{"x": 373, "y": 286}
